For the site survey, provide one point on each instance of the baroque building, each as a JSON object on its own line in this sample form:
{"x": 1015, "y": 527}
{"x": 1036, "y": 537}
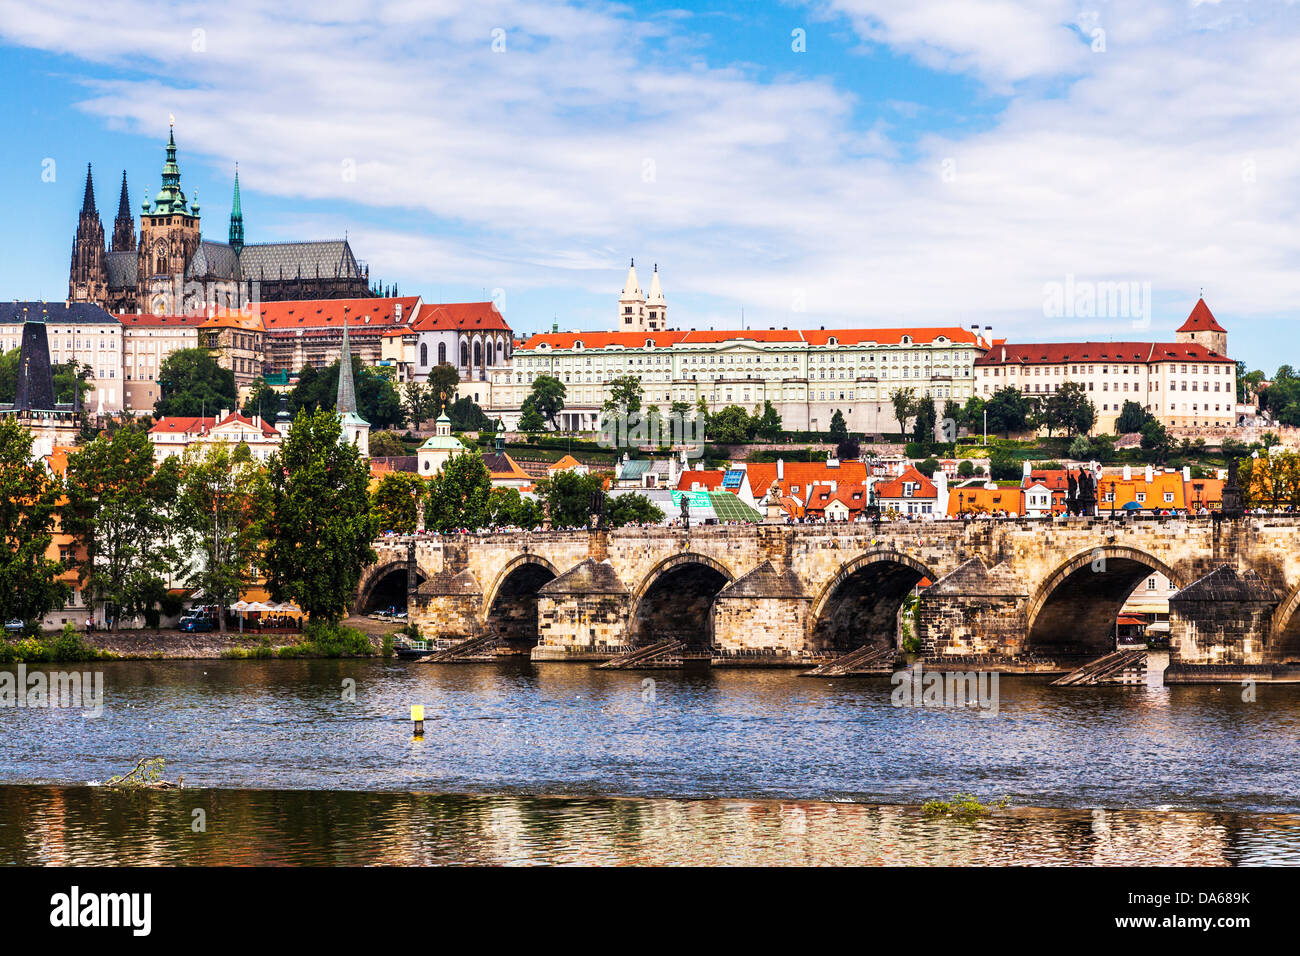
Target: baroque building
{"x": 171, "y": 269}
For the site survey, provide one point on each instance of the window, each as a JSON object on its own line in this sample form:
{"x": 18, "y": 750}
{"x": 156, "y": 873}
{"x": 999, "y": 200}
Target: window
{"x": 424, "y": 354}
{"x": 442, "y": 352}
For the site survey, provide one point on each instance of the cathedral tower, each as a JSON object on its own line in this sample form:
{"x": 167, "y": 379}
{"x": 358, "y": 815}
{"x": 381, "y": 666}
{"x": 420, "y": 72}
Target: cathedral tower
{"x": 631, "y": 304}
{"x": 124, "y": 225}
{"x": 88, "y": 276}
{"x": 236, "y": 220}
{"x": 169, "y": 237}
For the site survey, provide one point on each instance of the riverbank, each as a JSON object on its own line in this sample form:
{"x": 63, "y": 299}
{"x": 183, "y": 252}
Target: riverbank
{"x": 46, "y": 825}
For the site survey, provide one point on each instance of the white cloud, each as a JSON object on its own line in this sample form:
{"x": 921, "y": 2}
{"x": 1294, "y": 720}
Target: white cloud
{"x": 1169, "y": 158}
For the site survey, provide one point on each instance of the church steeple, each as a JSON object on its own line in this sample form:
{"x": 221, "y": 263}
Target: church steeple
{"x": 170, "y": 200}
{"x": 346, "y": 400}
{"x": 88, "y": 274}
{"x": 236, "y": 219}
{"x": 88, "y": 201}
{"x": 124, "y": 224}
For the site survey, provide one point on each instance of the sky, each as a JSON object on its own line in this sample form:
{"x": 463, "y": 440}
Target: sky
{"x": 796, "y": 163}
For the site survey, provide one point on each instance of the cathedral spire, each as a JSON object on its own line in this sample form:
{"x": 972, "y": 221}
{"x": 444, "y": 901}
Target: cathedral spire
{"x": 236, "y": 219}
{"x": 88, "y": 201}
{"x": 124, "y": 225}
{"x": 346, "y": 402}
{"x": 170, "y": 200}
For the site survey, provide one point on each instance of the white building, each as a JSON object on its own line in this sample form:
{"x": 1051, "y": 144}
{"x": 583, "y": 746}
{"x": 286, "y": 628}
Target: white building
{"x": 77, "y": 332}
{"x": 175, "y": 434}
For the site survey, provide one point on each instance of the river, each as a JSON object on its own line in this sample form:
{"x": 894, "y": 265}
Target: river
{"x": 527, "y": 763}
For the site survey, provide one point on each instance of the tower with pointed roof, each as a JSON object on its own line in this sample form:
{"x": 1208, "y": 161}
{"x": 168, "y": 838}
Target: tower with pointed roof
{"x": 656, "y": 307}
{"x": 631, "y": 303}
{"x": 355, "y": 429}
{"x": 88, "y": 275}
{"x": 169, "y": 237}
{"x": 1203, "y": 328}
{"x": 236, "y": 220}
{"x": 124, "y": 224}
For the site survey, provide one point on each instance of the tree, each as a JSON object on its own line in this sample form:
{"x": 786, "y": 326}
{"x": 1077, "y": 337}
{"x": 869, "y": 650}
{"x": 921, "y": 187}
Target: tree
{"x": 1131, "y": 418}
{"x": 1155, "y": 439}
{"x": 377, "y": 399}
{"x": 972, "y": 414}
{"x": 1008, "y": 410}
{"x": 926, "y": 420}
{"x": 444, "y": 380}
{"x": 507, "y": 508}
{"x": 221, "y": 511}
{"x": 624, "y": 395}
{"x": 839, "y": 430}
{"x": 320, "y": 526}
{"x": 632, "y": 508}
{"x": 466, "y": 416}
{"x": 1002, "y": 467}
{"x": 928, "y": 467}
{"x": 732, "y": 425}
{"x": 396, "y": 501}
{"x": 262, "y": 400}
{"x": 966, "y": 469}
{"x": 120, "y": 510}
{"x": 568, "y": 496}
{"x": 1080, "y": 448}
{"x": 1069, "y": 410}
{"x": 191, "y": 383}
{"x": 848, "y": 450}
{"x": 769, "y": 423}
{"x": 29, "y": 580}
{"x": 1271, "y": 481}
{"x": 548, "y": 397}
{"x": 387, "y": 444}
{"x": 531, "y": 421}
{"x": 458, "y": 495}
{"x": 416, "y": 403}
{"x": 904, "y": 402}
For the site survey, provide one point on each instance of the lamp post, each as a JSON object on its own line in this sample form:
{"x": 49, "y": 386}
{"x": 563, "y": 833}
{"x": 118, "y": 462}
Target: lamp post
{"x": 986, "y": 428}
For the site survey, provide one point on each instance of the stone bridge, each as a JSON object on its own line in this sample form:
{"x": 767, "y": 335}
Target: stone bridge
{"x": 1020, "y": 594}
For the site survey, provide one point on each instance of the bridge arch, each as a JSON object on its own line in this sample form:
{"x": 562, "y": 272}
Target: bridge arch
{"x": 860, "y": 604}
{"x": 510, "y": 602}
{"x": 675, "y": 600}
{"x": 383, "y": 586}
{"x": 1073, "y": 610}
{"x": 1284, "y": 636}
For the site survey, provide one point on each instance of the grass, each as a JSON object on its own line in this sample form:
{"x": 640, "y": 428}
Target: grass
{"x": 66, "y": 646}
{"x": 962, "y": 807}
{"x": 321, "y": 640}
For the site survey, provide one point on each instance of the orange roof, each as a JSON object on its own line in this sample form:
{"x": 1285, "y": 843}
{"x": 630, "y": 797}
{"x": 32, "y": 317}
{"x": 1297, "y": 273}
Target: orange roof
{"x": 924, "y": 487}
{"x": 1057, "y": 353}
{"x": 601, "y": 340}
{"x": 1201, "y": 320}
{"x": 853, "y": 497}
{"x": 564, "y": 464}
{"x": 710, "y": 480}
{"x": 57, "y": 459}
{"x": 800, "y": 474}
{"x": 369, "y": 316}
{"x": 234, "y": 319}
{"x": 1153, "y": 493}
{"x": 267, "y": 430}
{"x": 1203, "y": 492}
{"x": 181, "y": 425}
{"x": 985, "y": 500}
{"x": 436, "y": 316}
{"x": 502, "y": 467}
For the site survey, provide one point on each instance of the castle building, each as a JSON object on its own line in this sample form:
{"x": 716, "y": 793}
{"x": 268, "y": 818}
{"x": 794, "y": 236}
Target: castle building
{"x": 171, "y": 269}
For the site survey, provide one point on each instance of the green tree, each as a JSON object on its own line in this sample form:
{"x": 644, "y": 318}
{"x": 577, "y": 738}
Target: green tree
{"x": 444, "y": 380}
{"x": 531, "y": 421}
{"x": 904, "y": 402}
{"x": 624, "y": 395}
{"x": 547, "y": 395}
{"x": 966, "y": 469}
{"x": 29, "y": 579}
{"x": 926, "y": 420}
{"x": 972, "y": 414}
{"x": 839, "y": 430}
{"x": 396, "y": 501}
{"x": 928, "y": 467}
{"x": 507, "y": 508}
{"x": 1069, "y": 410}
{"x": 320, "y": 526}
{"x": 1155, "y": 440}
{"x": 220, "y": 514}
{"x": 378, "y": 401}
{"x": 632, "y": 508}
{"x": 262, "y": 400}
{"x": 1080, "y": 448}
{"x": 1008, "y": 410}
{"x": 732, "y": 426}
{"x": 568, "y": 495}
{"x": 458, "y": 495}
{"x": 466, "y": 416}
{"x": 769, "y": 423}
{"x": 387, "y": 444}
{"x": 190, "y": 382}
{"x": 850, "y": 449}
{"x": 1003, "y": 467}
{"x": 1131, "y": 418}
{"x": 121, "y": 511}
{"x": 416, "y": 403}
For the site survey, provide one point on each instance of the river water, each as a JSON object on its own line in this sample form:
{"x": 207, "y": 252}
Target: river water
{"x": 316, "y": 762}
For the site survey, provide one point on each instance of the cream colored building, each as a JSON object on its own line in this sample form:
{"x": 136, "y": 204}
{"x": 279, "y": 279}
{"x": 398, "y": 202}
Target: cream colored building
{"x": 147, "y": 341}
{"x": 77, "y": 331}
{"x": 1187, "y": 383}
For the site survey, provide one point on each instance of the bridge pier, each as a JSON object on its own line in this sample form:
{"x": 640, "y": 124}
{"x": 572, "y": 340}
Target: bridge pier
{"x": 761, "y": 619}
{"x": 975, "y": 611}
{"x": 1219, "y": 627}
{"x": 582, "y": 615}
{"x": 446, "y": 606}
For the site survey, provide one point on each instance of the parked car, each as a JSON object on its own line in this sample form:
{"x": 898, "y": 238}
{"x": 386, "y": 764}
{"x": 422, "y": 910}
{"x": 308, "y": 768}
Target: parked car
{"x": 14, "y": 625}
{"x": 198, "y": 624}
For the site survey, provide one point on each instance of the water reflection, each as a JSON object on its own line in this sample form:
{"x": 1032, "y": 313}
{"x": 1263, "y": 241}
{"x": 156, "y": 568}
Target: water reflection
{"x": 91, "y": 826}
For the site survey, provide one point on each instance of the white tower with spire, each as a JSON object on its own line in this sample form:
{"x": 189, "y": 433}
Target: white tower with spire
{"x": 631, "y": 304}
{"x": 356, "y": 429}
{"x": 655, "y": 307}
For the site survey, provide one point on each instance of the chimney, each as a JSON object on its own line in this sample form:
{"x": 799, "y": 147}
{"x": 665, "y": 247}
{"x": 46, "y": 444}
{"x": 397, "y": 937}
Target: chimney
{"x": 780, "y": 469}
{"x": 1027, "y": 469}
{"x": 1187, "y": 472}
{"x": 1150, "y": 474}
{"x": 1128, "y": 472}
{"x": 224, "y": 413}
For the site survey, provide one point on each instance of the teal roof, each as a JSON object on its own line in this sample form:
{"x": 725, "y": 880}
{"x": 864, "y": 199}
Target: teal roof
{"x": 444, "y": 442}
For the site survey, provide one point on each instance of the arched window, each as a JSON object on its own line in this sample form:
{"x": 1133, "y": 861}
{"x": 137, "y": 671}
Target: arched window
{"x": 464, "y": 353}
{"x": 478, "y": 353}
{"x": 442, "y": 353}
{"x": 424, "y": 353}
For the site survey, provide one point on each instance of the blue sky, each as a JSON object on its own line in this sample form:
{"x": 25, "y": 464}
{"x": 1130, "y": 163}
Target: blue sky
{"x": 928, "y": 163}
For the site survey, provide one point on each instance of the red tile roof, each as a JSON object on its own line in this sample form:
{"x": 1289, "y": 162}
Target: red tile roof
{"x": 601, "y": 340}
{"x": 1057, "y": 353}
{"x": 435, "y": 316}
{"x": 369, "y": 316}
{"x": 1201, "y": 320}
{"x": 146, "y": 320}
{"x": 801, "y": 474}
{"x": 924, "y": 487}
{"x": 181, "y": 425}
{"x": 707, "y": 480}
{"x": 853, "y": 496}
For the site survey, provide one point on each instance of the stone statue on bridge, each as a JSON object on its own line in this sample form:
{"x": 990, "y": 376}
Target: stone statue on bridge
{"x": 598, "y": 510}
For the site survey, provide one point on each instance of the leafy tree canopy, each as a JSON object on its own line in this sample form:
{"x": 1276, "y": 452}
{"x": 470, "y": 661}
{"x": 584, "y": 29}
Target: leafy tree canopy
{"x": 190, "y": 382}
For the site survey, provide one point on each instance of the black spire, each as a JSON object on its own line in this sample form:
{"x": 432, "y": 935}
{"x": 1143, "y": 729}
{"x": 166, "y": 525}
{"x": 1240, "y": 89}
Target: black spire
{"x": 35, "y": 386}
{"x": 88, "y": 202}
{"x": 124, "y": 225}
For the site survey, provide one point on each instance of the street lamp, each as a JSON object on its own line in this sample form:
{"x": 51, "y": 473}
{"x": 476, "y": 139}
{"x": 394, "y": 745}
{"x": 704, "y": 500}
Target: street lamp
{"x": 986, "y": 427}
